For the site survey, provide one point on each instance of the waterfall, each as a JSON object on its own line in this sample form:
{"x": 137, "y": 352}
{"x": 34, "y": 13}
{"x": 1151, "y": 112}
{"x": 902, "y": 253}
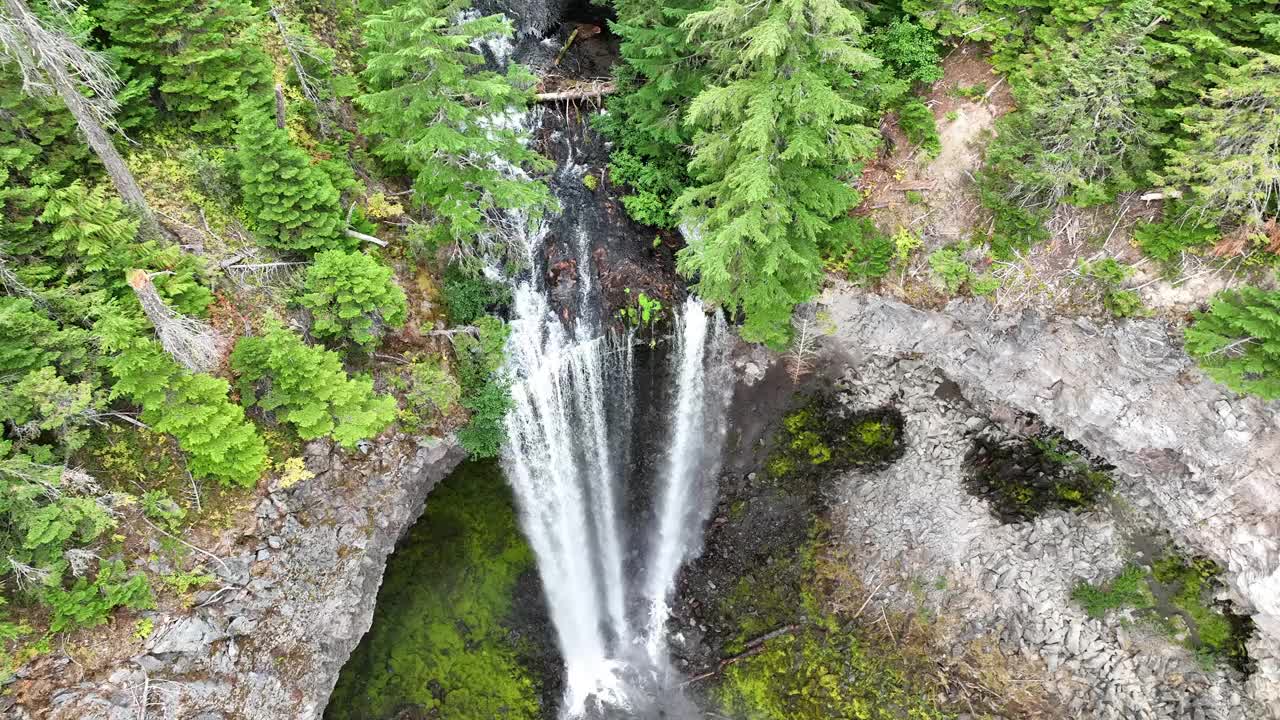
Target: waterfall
{"x": 566, "y": 457}
{"x": 697, "y": 432}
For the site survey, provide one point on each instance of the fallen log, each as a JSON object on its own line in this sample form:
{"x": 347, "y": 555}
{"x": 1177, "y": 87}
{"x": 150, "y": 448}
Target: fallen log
{"x": 367, "y": 238}
{"x": 592, "y": 92}
{"x": 754, "y": 647}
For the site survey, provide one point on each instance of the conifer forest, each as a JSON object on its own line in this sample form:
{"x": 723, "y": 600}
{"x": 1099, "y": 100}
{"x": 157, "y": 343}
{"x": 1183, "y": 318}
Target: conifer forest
{"x": 613, "y": 359}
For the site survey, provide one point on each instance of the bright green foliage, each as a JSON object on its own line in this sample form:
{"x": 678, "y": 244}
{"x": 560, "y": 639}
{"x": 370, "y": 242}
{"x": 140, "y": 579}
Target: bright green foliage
{"x": 291, "y": 202}
{"x": 432, "y": 110}
{"x": 949, "y": 268}
{"x": 660, "y": 73}
{"x": 157, "y": 505}
{"x": 819, "y": 673}
{"x": 1230, "y": 159}
{"x": 202, "y": 56}
{"x": 1176, "y": 595}
{"x": 45, "y": 510}
{"x": 1237, "y": 342}
{"x": 352, "y": 297}
{"x": 430, "y": 393}
{"x": 1081, "y": 133}
{"x": 1128, "y": 589}
{"x": 447, "y": 653}
{"x": 194, "y": 408}
{"x": 911, "y": 50}
{"x": 916, "y": 120}
{"x": 485, "y": 392}
{"x": 469, "y": 295}
{"x": 89, "y": 603}
{"x": 777, "y": 132}
{"x": 307, "y": 388}
{"x": 1166, "y": 241}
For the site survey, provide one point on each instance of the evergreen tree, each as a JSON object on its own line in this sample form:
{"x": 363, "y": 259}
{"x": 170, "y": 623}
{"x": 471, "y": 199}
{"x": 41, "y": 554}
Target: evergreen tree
{"x": 307, "y": 388}
{"x": 1082, "y": 131}
{"x": 203, "y": 55}
{"x": 660, "y": 72}
{"x": 777, "y": 137}
{"x": 1230, "y": 159}
{"x": 291, "y": 202}
{"x": 352, "y": 297}
{"x": 435, "y": 112}
{"x": 1237, "y": 341}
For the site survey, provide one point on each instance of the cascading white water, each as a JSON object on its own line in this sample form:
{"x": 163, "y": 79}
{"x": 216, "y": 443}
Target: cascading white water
{"x": 566, "y": 457}
{"x": 697, "y": 432}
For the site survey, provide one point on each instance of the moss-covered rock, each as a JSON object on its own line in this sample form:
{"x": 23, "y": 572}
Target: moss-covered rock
{"x": 1176, "y": 595}
{"x": 1023, "y": 478}
{"x": 822, "y": 438}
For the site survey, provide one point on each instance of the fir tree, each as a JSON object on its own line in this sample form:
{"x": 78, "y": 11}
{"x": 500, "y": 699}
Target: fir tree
{"x": 307, "y": 388}
{"x": 434, "y": 111}
{"x": 1230, "y": 160}
{"x": 291, "y": 202}
{"x": 352, "y": 297}
{"x": 777, "y": 138}
{"x": 660, "y": 72}
{"x": 204, "y": 55}
{"x": 1082, "y": 131}
{"x": 1237, "y": 341}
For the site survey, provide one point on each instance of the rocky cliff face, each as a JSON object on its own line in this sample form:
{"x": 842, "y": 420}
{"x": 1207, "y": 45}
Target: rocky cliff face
{"x": 1193, "y": 459}
{"x": 293, "y": 602}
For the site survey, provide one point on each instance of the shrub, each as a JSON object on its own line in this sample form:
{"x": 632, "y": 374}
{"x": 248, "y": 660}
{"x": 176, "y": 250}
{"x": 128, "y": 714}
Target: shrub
{"x": 950, "y": 268}
{"x": 916, "y": 120}
{"x": 910, "y": 50}
{"x": 307, "y": 388}
{"x": 291, "y": 202}
{"x": 194, "y": 408}
{"x": 352, "y": 297}
{"x": 484, "y": 391}
{"x": 1166, "y": 241}
{"x": 1014, "y": 228}
{"x": 432, "y": 393}
{"x": 88, "y": 603}
{"x": 468, "y": 296}
{"x": 1237, "y": 342}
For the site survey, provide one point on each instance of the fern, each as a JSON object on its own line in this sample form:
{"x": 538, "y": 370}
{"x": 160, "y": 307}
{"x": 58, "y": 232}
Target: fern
{"x": 1237, "y": 342}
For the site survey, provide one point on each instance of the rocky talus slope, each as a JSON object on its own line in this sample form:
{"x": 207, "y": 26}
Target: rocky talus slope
{"x": 1191, "y": 459}
{"x": 292, "y": 604}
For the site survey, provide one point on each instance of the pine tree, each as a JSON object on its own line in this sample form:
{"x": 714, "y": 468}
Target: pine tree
{"x": 778, "y": 134}
{"x": 204, "y": 55}
{"x": 307, "y": 388}
{"x": 434, "y": 111}
{"x": 291, "y": 202}
{"x": 1237, "y": 341}
{"x": 1230, "y": 159}
{"x": 352, "y": 297}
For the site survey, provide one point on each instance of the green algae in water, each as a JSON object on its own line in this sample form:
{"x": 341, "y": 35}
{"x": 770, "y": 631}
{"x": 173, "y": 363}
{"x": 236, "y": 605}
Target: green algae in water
{"x": 440, "y": 645}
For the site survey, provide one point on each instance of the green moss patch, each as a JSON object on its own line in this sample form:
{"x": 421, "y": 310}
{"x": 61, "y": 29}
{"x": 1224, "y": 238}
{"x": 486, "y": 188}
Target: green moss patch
{"x": 822, "y": 439}
{"x": 1023, "y": 478}
{"x": 1176, "y": 595}
{"x": 794, "y": 658}
{"x": 441, "y": 645}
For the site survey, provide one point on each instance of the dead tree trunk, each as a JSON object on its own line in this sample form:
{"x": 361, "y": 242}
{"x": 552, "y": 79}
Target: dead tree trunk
{"x": 50, "y": 61}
